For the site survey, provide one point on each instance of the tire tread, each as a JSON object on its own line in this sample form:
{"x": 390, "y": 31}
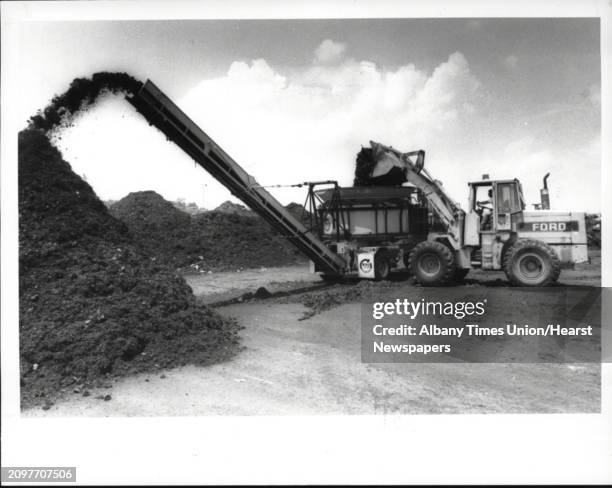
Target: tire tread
{"x": 523, "y": 244}
{"x": 446, "y": 254}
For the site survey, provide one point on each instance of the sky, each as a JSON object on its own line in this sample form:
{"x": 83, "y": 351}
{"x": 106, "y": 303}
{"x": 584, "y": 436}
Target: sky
{"x": 295, "y": 100}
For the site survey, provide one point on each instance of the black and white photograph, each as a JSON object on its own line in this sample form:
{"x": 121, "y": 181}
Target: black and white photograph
{"x": 272, "y": 243}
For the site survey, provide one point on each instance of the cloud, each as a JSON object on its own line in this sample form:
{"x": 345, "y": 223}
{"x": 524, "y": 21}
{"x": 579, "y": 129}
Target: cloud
{"x": 329, "y": 51}
{"x": 285, "y": 127}
{"x": 510, "y": 62}
{"x": 310, "y": 125}
{"x": 529, "y": 159}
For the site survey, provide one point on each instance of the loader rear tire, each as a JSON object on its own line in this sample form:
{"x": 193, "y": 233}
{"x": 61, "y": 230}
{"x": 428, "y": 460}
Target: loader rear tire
{"x": 531, "y": 263}
{"x": 432, "y": 263}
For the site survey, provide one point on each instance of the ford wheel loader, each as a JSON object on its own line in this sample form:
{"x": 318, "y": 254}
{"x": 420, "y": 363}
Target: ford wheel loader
{"x": 496, "y": 233}
{"x": 370, "y": 229}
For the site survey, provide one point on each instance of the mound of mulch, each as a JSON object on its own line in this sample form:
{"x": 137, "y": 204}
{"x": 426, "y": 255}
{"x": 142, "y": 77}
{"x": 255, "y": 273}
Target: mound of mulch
{"x": 157, "y": 226}
{"x": 299, "y": 213}
{"x": 217, "y": 240}
{"x": 234, "y": 208}
{"x": 92, "y": 304}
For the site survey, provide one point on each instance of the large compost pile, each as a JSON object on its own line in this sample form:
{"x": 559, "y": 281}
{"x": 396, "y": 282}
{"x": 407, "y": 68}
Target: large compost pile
{"x": 218, "y": 240}
{"x": 234, "y": 208}
{"x": 299, "y": 213}
{"x": 92, "y": 303}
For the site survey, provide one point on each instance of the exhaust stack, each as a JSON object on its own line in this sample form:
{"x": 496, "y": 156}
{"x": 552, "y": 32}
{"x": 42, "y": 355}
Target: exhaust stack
{"x": 544, "y": 197}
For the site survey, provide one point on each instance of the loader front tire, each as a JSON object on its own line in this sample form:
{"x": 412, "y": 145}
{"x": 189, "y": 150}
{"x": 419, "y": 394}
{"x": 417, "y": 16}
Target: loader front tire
{"x": 531, "y": 263}
{"x": 432, "y": 263}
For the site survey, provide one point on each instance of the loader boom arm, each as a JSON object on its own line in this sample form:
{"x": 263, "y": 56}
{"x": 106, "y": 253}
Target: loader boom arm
{"x": 446, "y": 209}
{"x": 161, "y": 112}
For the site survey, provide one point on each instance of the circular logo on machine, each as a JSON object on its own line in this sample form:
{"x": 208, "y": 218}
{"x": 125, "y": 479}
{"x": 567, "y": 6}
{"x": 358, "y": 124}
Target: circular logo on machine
{"x": 366, "y": 265}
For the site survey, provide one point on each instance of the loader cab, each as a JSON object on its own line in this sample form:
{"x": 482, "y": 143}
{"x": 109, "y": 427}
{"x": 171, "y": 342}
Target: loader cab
{"x": 495, "y": 205}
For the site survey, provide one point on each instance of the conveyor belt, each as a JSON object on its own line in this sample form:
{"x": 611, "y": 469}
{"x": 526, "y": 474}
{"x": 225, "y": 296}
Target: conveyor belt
{"x": 161, "y": 112}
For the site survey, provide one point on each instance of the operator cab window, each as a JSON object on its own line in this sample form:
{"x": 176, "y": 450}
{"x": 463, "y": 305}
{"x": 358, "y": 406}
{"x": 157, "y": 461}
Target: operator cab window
{"x": 483, "y": 205}
{"x": 483, "y": 197}
{"x": 507, "y": 198}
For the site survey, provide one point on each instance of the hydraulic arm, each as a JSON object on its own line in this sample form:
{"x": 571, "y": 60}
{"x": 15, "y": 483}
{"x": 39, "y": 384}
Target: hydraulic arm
{"x": 443, "y": 205}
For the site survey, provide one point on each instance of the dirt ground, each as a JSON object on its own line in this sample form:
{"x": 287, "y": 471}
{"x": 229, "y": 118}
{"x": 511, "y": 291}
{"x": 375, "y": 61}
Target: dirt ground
{"x": 214, "y": 288}
{"x": 293, "y": 366}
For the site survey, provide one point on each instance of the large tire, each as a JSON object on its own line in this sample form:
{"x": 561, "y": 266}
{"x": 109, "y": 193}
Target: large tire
{"x": 381, "y": 266}
{"x": 432, "y": 263}
{"x": 531, "y": 263}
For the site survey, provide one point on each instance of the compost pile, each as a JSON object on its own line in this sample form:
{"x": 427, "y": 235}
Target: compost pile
{"x": 158, "y": 227}
{"x": 92, "y": 304}
{"x": 209, "y": 241}
{"x": 232, "y": 241}
{"x": 234, "y": 208}
{"x": 299, "y": 213}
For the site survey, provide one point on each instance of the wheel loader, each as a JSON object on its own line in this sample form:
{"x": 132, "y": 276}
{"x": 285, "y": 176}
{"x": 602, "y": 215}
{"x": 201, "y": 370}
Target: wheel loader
{"x": 496, "y": 233}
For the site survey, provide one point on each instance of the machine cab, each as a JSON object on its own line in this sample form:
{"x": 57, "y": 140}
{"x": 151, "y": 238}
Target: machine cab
{"x": 494, "y": 205}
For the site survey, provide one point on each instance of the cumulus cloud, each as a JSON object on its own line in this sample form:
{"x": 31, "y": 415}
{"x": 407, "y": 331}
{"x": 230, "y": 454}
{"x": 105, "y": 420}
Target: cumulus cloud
{"x": 329, "y": 51}
{"x": 287, "y": 127}
{"x": 529, "y": 159}
{"x": 311, "y": 125}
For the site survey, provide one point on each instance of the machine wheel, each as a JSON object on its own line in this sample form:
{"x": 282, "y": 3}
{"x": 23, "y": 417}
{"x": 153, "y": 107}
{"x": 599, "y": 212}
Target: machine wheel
{"x": 381, "y": 267}
{"x": 531, "y": 263}
{"x": 460, "y": 274}
{"x": 432, "y": 263}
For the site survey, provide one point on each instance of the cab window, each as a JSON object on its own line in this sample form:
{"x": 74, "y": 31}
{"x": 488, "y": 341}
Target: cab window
{"x": 507, "y": 198}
